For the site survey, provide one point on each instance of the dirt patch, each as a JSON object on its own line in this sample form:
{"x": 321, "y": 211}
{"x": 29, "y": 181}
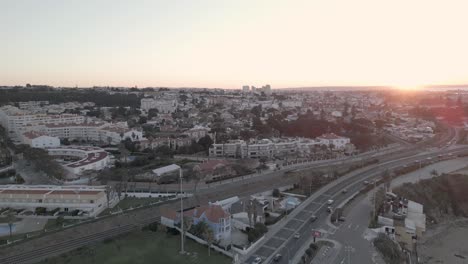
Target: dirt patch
{"x": 445, "y": 243}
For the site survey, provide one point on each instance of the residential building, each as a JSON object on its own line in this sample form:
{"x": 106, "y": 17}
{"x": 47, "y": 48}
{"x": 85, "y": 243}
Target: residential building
{"x": 83, "y": 158}
{"x": 40, "y": 140}
{"x": 162, "y": 105}
{"x": 217, "y": 219}
{"x": 338, "y": 142}
{"x": 90, "y": 199}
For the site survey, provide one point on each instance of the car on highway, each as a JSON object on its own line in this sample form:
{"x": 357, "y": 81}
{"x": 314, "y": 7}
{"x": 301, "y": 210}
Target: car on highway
{"x": 277, "y": 257}
{"x": 297, "y": 235}
{"x": 257, "y": 260}
{"x": 330, "y": 201}
{"x": 313, "y": 218}
{"x": 366, "y": 182}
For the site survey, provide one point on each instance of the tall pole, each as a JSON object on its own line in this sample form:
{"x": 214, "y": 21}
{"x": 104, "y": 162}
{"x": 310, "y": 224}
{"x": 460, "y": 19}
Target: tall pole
{"x": 181, "y": 215}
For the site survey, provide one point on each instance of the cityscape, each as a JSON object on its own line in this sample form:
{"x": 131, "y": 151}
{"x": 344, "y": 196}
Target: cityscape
{"x": 119, "y": 144}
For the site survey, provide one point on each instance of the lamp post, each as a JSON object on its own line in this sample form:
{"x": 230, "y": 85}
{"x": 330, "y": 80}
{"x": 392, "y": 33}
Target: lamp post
{"x": 182, "y": 251}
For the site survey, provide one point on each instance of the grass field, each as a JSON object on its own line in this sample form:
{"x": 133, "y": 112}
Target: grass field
{"x": 141, "y": 247}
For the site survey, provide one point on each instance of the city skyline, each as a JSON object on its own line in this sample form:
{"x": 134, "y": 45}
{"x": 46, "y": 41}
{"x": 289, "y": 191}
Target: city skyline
{"x": 222, "y": 44}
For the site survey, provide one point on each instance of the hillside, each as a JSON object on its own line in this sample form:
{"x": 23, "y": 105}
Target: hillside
{"x": 443, "y": 197}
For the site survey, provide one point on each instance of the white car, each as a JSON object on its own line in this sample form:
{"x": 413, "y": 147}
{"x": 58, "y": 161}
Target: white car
{"x": 297, "y": 235}
{"x": 330, "y": 201}
{"x": 257, "y": 260}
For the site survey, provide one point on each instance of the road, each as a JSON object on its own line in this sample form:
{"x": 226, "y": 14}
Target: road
{"x": 282, "y": 239}
{"x": 36, "y": 249}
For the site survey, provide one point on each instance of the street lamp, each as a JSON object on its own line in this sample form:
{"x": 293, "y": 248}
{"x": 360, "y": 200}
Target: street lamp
{"x": 182, "y": 251}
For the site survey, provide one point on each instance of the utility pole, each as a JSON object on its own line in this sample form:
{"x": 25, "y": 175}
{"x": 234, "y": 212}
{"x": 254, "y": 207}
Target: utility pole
{"x": 182, "y": 251}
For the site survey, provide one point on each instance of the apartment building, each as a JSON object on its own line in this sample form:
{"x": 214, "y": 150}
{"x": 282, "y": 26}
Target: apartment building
{"x": 90, "y": 199}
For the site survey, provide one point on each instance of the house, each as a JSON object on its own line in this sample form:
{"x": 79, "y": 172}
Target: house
{"x": 217, "y": 219}
{"x": 40, "y": 140}
{"x": 214, "y": 169}
{"x": 332, "y": 139}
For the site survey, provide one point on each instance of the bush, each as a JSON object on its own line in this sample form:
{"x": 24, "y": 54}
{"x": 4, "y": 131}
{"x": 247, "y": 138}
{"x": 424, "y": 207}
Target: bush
{"x": 40, "y": 210}
{"x": 255, "y": 233}
{"x": 153, "y": 227}
{"x": 389, "y": 249}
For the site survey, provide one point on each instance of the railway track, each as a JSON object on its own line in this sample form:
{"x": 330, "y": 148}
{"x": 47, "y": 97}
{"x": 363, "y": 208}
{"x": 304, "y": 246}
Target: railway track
{"x": 39, "y": 254}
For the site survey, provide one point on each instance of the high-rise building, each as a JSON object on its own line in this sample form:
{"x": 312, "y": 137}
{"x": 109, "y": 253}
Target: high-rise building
{"x": 245, "y": 88}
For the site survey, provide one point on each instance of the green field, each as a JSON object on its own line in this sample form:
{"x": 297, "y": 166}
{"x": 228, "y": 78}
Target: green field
{"x": 142, "y": 247}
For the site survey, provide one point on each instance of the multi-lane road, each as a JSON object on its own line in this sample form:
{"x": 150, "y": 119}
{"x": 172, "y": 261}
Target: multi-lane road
{"x": 282, "y": 240}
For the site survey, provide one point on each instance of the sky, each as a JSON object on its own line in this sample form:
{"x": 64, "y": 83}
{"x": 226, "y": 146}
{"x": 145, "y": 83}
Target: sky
{"x": 227, "y": 44}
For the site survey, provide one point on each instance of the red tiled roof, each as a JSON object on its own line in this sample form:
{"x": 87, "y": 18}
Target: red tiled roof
{"x": 211, "y": 164}
{"x": 213, "y": 212}
{"x": 33, "y": 134}
{"x": 16, "y": 191}
{"x": 330, "y": 136}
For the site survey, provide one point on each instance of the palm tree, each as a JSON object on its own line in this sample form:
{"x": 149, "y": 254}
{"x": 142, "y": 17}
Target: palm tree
{"x": 11, "y": 220}
{"x": 209, "y": 237}
{"x": 188, "y": 222}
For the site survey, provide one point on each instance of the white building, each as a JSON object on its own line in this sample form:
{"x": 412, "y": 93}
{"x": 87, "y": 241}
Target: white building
{"x": 162, "y": 105}
{"x": 40, "y": 140}
{"x": 85, "y": 158}
{"x": 90, "y": 199}
{"x": 17, "y": 121}
{"x": 331, "y": 139}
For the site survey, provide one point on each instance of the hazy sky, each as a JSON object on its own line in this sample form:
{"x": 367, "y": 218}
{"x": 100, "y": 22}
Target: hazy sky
{"x": 229, "y": 43}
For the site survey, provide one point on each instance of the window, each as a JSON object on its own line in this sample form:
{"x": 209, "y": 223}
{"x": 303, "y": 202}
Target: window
{"x": 91, "y": 201}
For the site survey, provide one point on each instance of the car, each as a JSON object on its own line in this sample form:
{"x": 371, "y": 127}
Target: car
{"x": 342, "y": 219}
{"x": 277, "y": 257}
{"x": 313, "y": 218}
{"x": 297, "y": 235}
{"x": 257, "y": 260}
{"x": 366, "y": 182}
{"x": 344, "y": 191}
{"x": 329, "y": 209}
{"x": 330, "y": 201}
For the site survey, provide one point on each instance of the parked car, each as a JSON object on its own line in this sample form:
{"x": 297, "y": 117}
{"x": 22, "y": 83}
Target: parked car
{"x": 277, "y": 257}
{"x": 329, "y": 209}
{"x": 344, "y": 191}
{"x": 257, "y": 260}
{"x": 313, "y": 218}
{"x": 342, "y": 219}
{"x": 366, "y": 182}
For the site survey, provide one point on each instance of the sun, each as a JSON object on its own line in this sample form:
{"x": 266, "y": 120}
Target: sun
{"x": 408, "y": 85}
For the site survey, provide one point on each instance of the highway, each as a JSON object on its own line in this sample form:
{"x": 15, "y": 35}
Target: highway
{"x": 282, "y": 240}
{"x": 297, "y": 222}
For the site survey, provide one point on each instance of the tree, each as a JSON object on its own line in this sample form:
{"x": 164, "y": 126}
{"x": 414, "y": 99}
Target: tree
{"x": 11, "y": 220}
{"x": 188, "y": 222}
{"x": 249, "y": 211}
{"x": 206, "y": 142}
{"x": 209, "y": 237}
